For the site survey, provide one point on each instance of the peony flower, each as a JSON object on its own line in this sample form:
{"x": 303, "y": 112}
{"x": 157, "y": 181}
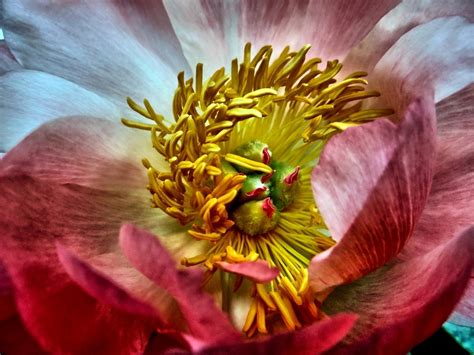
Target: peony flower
{"x": 287, "y": 218}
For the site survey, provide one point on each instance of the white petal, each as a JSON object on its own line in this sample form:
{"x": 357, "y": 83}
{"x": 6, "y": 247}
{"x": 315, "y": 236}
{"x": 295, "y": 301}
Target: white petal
{"x": 30, "y": 98}
{"x": 89, "y": 44}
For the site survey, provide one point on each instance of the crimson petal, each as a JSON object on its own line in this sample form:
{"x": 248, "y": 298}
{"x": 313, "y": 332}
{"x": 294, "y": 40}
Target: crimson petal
{"x": 146, "y": 253}
{"x": 100, "y": 287}
{"x": 257, "y": 271}
{"x": 402, "y": 304}
{"x": 370, "y": 186}
{"x": 314, "y": 339}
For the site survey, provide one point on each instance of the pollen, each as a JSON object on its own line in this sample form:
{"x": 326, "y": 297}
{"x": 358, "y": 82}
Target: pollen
{"x": 239, "y": 152}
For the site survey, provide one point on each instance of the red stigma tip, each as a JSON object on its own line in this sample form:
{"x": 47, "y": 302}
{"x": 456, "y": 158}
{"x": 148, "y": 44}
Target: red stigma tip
{"x": 266, "y": 177}
{"x": 256, "y": 192}
{"x": 268, "y": 207}
{"x": 291, "y": 178}
{"x": 265, "y": 156}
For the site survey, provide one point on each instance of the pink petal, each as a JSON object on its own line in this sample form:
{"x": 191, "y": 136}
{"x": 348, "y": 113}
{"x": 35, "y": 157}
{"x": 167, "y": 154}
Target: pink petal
{"x": 36, "y": 97}
{"x": 15, "y": 339}
{"x": 214, "y": 33}
{"x": 100, "y": 287}
{"x": 331, "y": 27}
{"x": 436, "y": 57}
{"x": 449, "y": 208}
{"x": 317, "y": 338}
{"x": 401, "y": 19}
{"x": 146, "y": 253}
{"x": 370, "y": 186}
{"x": 402, "y": 304}
{"x": 98, "y": 52}
{"x": 208, "y": 31}
{"x": 87, "y": 221}
{"x": 257, "y": 271}
{"x": 151, "y": 26}
{"x": 84, "y": 151}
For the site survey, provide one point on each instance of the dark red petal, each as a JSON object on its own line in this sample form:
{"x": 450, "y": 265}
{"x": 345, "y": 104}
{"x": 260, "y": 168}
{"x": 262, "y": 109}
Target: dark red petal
{"x": 370, "y": 186}
{"x": 100, "y": 287}
{"x": 7, "y": 302}
{"x": 257, "y": 271}
{"x": 314, "y": 339}
{"x": 54, "y": 309}
{"x": 15, "y": 339}
{"x": 402, "y": 304}
{"x": 205, "y": 320}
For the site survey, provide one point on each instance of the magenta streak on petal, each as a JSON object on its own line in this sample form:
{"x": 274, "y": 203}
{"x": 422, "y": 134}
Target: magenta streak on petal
{"x": 291, "y": 178}
{"x": 256, "y": 192}
{"x": 269, "y": 207}
{"x": 205, "y": 320}
{"x": 266, "y": 156}
{"x": 100, "y": 287}
{"x": 257, "y": 271}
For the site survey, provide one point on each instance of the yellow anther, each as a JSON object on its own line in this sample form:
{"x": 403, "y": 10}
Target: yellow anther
{"x": 291, "y": 290}
{"x": 344, "y": 125}
{"x": 285, "y": 313}
{"x": 247, "y": 163}
{"x": 261, "y": 325}
{"x": 244, "y": 113}
{"x": 262, "y": 292}
{"x": 260, "y": 93}
{"x": 195, "y": 260}
{"x": 250, "y": 316}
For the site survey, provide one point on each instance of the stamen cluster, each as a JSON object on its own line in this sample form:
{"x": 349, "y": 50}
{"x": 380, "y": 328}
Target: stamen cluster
{"x": 216, "y": 179}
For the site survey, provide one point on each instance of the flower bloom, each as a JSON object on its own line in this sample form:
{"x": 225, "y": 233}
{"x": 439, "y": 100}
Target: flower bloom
{"x": 379, "y": 264}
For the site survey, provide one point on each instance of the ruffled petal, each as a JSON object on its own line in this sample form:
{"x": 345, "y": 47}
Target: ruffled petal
{"x": 87, "y": 222}
{"x": 85, "y": 151}
{"x": 371, "y": 185}
{"x": 317, "y": 338}
{"x": 402, "y": 304}
{"x": 407, "y": 15}
{"x": 448, "y": 210}
{"x": 98, "y": 52}
{"x": 100, "y": 287}
{"x": 7, "y": 60}
{"x": 331, "y": 27}
{"x": 437, "y": 57}
{"x": 36, "y": 97}
{"x": 257, "y": 271}
{"x": 206, "y": 323}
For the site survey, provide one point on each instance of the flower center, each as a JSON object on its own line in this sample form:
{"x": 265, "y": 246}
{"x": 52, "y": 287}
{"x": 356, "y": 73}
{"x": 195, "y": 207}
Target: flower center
{"x": 240, "y": 153}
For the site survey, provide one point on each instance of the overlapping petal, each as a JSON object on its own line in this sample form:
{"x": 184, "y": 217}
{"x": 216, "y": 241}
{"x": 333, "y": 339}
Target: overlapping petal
{"x": 36, "y": 97}
{"x": 258, "y": 271}
{"x": 205, "y": 321}
{"x": 436, "y": 57}
{"x": 101, "y": 55}
{"x": 402, "y": 304}
{"x": 331, "y": 27}
{"x": 371, "y": 185}
{"x": 401, "y": 19}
